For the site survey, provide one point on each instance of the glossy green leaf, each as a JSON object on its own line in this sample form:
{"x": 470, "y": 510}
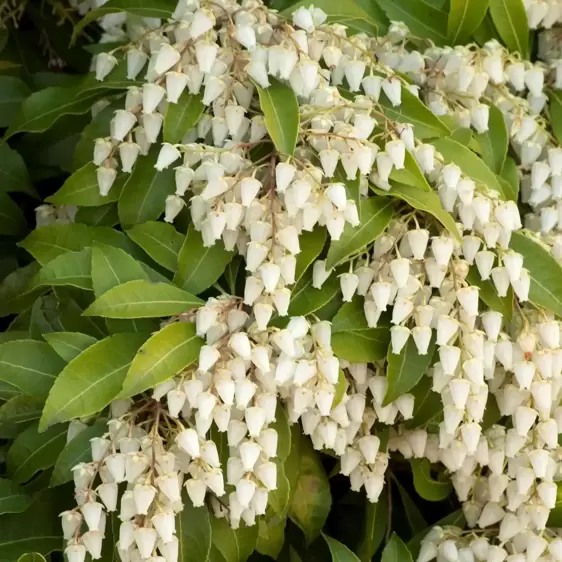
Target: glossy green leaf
{"x": 15, "y": 295}
{"x": 353, "y": 340}
{"x": 69, "y": 344}
{"x": 405, "y": 369}
{"x": 471, "y": 164}
{"x": 106, "y": 215}
{"x": 12, "y": 498}
{"x": 18, "y": 413}
{"x": 193, "y": 527}
{"x": 71, "y": 268}
{"x": 12, "y": 221}
{"x": 510, "y": 20}
{"x": 142, "y": 299}
{"x": 375, "y": 521}
{"x": 339, "y": 552}
{"x": 281, "y": 112}
{"x": 162, "y": 357}
{"x": 428, "y": 406}
{"x": 376, "y": 213}
{"x": 465, "y": 16}
{"x": 81, "y": 188}
{"x": 494, "y": 142}
{"x": 414, "y": 518}
{"x": 181, "y": 117}
{"x": 13, "y": 172}
{"x": 544, "y": 270}
{"x": 77, "y": 450}
{"x": 311, "y": 244}
{"x": 555, "y": 98}
{"x": 30, "y": 365}
{"x": 233, "y": 545}
{"x": 427, "y": 487}
{"x": 144, "y": 195}
{"x": 412, "y": 110}
{"x": 410, "y": 174}
{"x": 489, "y": 295}
{"x": 200, "y": 267}
{"x": 33, "y": 451}
{"x": 510, "y": 174}
{"x": 160, "y": 240}
{"x": 311, "y": 498}
{"x": 305, "y": 299}
{"x": 12, "y": 93}
{"x": 396, "y": 551}
{"x": 92, "y": 379}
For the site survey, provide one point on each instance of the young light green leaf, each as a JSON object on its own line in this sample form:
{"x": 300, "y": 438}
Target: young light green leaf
{"x": 510, "y": 20}
{"x": 71, "y": 268}
{"x": 410, "y": 174}
{"x": 396, "y": 551}
{"x": 305, "y": 299}
{"x": 199, "y": 267}
{"x": 92, "y": 379}
{"x": 311, "y": 244}
{"x": 33, "y": 451}
{"x": 30, "y": 365}
{"x": 13, "y": 172}
{"x": 142, "y": 299}
{"x": 428, "y": 488}
{"x": 339, "y": 552}
{"x": 76, "y": 451}
{"x": 494, "y": 142}
{"x": 281, "y": 112}
{"x": 69, "y": 344}
{"x": 465, "y": 16}
{"x": 194, "y": 532}
{"x": 144, "y": 194}
{"x": 376, "y": 521}
{"x": 555, "y": 98}
{"x": 160, "y": 240}
{"x": 405, "y": 369}
{"x": 181, "y": 117}
{"x": 376, "y": 214}
{"x": 162, "y": 357}
{"x": 311, "y": 499}
{"x": 544, "y": 270}
{"x": 12, "y": 221}
{"x": 12, "y": 497}
{"x": 81, "y": 188}
{"x": 471, "y": 165}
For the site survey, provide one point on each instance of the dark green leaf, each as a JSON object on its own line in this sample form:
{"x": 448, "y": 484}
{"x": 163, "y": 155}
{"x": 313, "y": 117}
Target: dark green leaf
{"x": 12, "y": 498}
{"x": 17, "y": 413}
{"x": 12, "y": 221}
{"x": 510, "y": 174}
{"x": 428, "y": 405}
{"x": 32, "y": 557}
{"x": 181, "y": 117}
{"x": 311, "y": 244}
{"x": 14, "y": 293}
{"x": 376, "y": 521}
{"x": 510, "y": 19}
{"x": 233, "y": 545}
{"x": 396, "y": 551}
{"x": 305, "y": 299}
{"x": 106, "y": 215}
{"x": 339, "y": 552}
{"x": 12, "y": 92}
{"x": 494, "y": 142}
{"x": 70, "y": 268}
{"x": 194, "y": 532}
{"x": 13, "y": 173}
{"x": 69, "y": 344}
{"x": 489, "y": 295}
{"x": 428, "y": 488}
{"x": 161, "y": 241}
{"x": 199, "y": 267}
{"x": 162, "y": 357}
{"x": 281, "y": 112}
{"x": 92, "y": 379}
{"x": 465, "y": 16}
{"x": 415, "y": 519}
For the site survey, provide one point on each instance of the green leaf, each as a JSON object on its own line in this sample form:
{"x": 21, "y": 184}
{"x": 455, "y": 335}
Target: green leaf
{"x": 15, "y": 295}
{"x": 353, "y": 340}
{"x": 305, "y": 299}
{"x": 32, "y": 557}
{"x": 510, "y": 19}
{"x": 106, "y": 215}
{"x": 489, "y": 295}
{"x": 281, "y": 112}
{"x": 415, "y": 519}
{"x": 48, "y": 242}
{"x": 465, "y": 17}
{"x": 555, "y": 98}
{"x": 472, "y": 165}
{"x": 396, "y": 551}
{"x": 12, "y": 498}
{"x": 76, "y": 451}
{"x": 413, "y": 111}
{"x": 92, "y": 379}
{"x": 70, "y": 268}
{"x": 162, "y": 357}
{"x": 8, "y": 391}
{"x": 428, "y": 404}
{"x": 182, "y": 116}
{"x": 376, "y": 213}
{"x": 13, "y": 173}
{"x": 281, "y": 425}
{"x": 233, "y": 545}
{"x": 410, "y": 174}
{"x": 194, "y": 532}
{"x": 405, "y": 369}
{"x": 376, "y": 521}
{"x": 339, "y": 552}
{"x": 510, "y": 174}
{"x": 17, "y": 413}
{"x": 422, "y": 19}
{"x": 544, "y": 270}
{"x": 145, "y": 9}
{"x": 30, "y": 365}
{"x": 81, "y": 188}
{"x": 311, "y": 499}
{"x": 494, "y": 142}
{"x": 33, "y": 451}
{"x": 200, "y": 267}
{"x": 161, "y": 241}
{"x": 12, "y": 93}
{"x": 12, "y": 221}
{"x": 340, "y": 387}
{"x": 352, "y": 187}
{"x": 456, "y": 519}
{"x": 142, "y": 299}
{"x": 144, "y": 195}
{"x": 428, "y": 488}
{"x": 311, "y": 244}
{"x": 69, "y": 344}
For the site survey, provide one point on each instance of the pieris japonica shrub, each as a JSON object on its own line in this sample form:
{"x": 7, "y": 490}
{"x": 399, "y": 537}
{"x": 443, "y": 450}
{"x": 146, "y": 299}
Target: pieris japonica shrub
{"x": 300, "y": 297}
